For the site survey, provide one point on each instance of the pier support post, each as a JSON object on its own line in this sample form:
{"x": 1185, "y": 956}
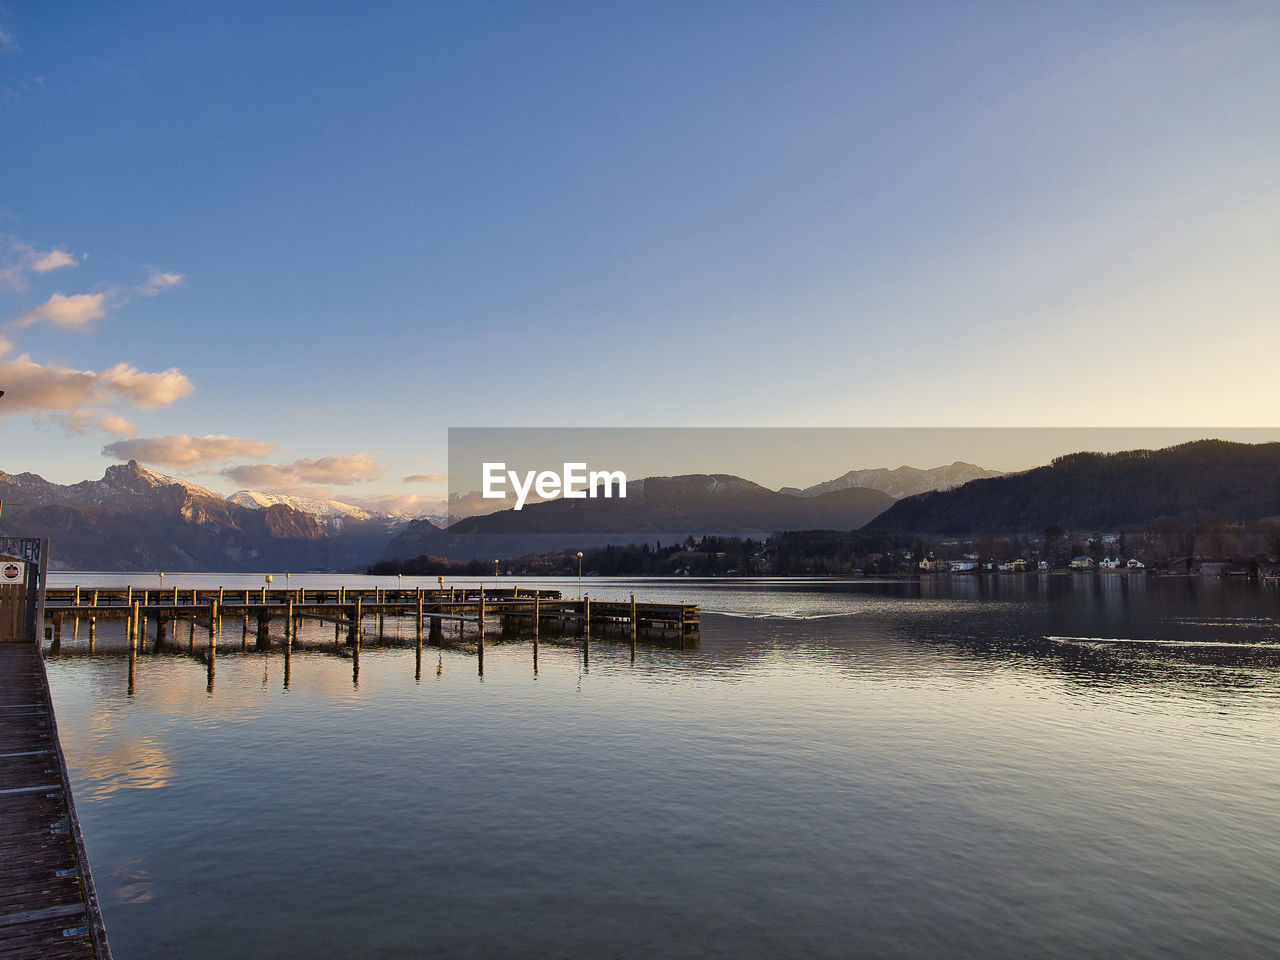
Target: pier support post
{"x": 264, "y": 630}
{"x": 356, "y": 616}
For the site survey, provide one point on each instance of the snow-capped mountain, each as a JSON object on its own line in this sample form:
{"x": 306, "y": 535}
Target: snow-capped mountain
{"x": 320, "y": 509}
{"x": 136, "y": 518}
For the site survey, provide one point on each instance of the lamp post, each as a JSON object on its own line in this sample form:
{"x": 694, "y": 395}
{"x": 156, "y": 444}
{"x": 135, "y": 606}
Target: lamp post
{"x": 579, "y": 574}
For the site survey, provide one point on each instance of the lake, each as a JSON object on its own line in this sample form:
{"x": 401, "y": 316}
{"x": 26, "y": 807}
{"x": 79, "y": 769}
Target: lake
{"x": 965, "y": 767}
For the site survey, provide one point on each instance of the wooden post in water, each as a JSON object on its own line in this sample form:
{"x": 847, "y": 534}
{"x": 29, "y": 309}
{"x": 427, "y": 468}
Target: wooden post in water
{"x": 213, "y": 619}
{"x": 162, "y": 629}
{"x": 132, "y": 626}
{"x": 288, "y": 623}
{"x": 419, "y": 631}
{"x": 77, "y": 601}
{"x": 482, "y": 615}
{"x": 128, "y": 596}
{"x": 213, "y": 653}
{"x": 537, "y": 625}
{"x": 264, "y": 630}
{"x": 220, "y": 597}
{"x": 356, "y": 616}
{"x": 175, "y": 596}
{"x": 95, "y": 598}
{"x": 635, "y": 626}
{"x": 93, "y": 624}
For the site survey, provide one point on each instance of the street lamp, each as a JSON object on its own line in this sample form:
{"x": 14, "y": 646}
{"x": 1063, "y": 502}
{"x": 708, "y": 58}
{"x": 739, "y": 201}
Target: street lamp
{"x": 579, "y": 574}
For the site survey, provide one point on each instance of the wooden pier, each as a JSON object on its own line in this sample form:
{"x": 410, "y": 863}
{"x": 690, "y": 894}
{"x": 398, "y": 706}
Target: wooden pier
{"x": 512, "y": 611}
{"x": 48, "y": 905}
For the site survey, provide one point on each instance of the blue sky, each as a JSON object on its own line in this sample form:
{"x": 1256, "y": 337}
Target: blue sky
{"x": 321, "y": 234}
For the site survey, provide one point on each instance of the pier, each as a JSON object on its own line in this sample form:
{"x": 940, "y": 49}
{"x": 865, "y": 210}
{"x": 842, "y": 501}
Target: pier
{"x": 48, "y": 904}
{"x": 475, "y": 612}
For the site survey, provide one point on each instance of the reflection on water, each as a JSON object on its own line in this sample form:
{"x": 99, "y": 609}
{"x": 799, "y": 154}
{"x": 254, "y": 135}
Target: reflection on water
{"x": 1019, "y": 768}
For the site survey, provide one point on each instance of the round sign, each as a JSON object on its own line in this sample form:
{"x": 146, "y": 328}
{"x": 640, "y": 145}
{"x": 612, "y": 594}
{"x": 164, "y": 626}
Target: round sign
{"x": 11, "y": 573}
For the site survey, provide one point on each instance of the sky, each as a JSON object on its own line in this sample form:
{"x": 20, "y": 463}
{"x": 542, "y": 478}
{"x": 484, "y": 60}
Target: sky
{"x": 287, "y": 246}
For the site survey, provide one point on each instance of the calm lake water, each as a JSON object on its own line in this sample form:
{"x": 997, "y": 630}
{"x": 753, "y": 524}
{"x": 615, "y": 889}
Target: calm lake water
{"x": 1030, "y": 767}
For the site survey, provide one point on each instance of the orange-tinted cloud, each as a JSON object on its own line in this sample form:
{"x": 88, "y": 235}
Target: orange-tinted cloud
{"x": 73, "y": 312}
{"x": 342, "y": 471}
{"x": 184, "y": 450}
{"x": 80, "y": 395}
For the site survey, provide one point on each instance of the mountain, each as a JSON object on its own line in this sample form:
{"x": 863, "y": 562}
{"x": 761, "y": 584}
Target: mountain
{"x": 1189, "y": 483}
{"x": 323, "y": 510}
{"x": 900, "y": 483}
{"x": 135, "y": 518}
{"x": 655, "y": 508}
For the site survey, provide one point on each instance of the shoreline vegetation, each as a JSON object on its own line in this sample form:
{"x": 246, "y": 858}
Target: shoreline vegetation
{"x": 1214, "y": 549}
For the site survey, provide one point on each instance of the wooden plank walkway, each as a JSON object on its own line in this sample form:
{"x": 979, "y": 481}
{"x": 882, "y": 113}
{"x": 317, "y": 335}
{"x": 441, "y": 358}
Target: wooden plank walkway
{"x": 483, "y": 609}
{"x": 48, "y": 906}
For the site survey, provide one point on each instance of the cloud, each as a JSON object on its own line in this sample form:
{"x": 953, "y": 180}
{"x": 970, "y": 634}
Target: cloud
{"x": 146, "y": 391}
{"x": 7, "y": 42}
{"x": 109, "y": 423}
{"x": 336, "y": 470}
{"x": 66, "y": 313}
{"x": 52, "y": 260}
{"x": 49, "y": 390}
{"x": 159, "y": 281}
{"x": 185, "y": 450}
{"x": 425, "y": 478}
{"x": 84, "y": 421}
{"x": 17, "y": 259}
